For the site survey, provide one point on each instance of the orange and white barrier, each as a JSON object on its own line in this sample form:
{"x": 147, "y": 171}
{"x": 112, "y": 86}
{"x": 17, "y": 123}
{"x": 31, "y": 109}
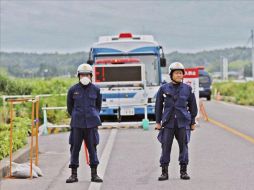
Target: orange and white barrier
{"x": 34, "y": 130}
{"x": 202, "y": 110}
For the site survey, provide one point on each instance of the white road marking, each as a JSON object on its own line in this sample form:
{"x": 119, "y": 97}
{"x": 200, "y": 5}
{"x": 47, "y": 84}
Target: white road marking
{"x": 104, "y": 159}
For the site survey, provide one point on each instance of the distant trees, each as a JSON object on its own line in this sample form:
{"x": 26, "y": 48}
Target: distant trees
{"x": 41, "y": 65}
{"x": 54, "y": 64}
{"x": 239, "y": 59}
{"x": 206, "y": 58}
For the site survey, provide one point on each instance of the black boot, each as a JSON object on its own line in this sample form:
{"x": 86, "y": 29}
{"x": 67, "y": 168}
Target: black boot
{"x": 94, "y": 176}
{"x": 74, "y": 176}
{"x": 183, "y": 172}
{"x": 164, "y": 174}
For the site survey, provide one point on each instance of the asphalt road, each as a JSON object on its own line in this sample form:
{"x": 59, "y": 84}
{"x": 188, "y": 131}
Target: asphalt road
{"x": 220, "y": 158}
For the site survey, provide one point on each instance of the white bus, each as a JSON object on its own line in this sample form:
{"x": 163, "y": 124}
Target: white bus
{"x": 127, "y": 68}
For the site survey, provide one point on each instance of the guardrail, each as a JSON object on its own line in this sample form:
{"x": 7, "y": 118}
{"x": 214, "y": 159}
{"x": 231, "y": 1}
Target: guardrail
{"x": 145, "y": 122}
{"x": 45, "y": 118}
{"x": 6, "y": 97}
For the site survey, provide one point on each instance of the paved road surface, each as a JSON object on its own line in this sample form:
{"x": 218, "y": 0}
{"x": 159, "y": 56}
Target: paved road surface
{"x": 219, "y": 159}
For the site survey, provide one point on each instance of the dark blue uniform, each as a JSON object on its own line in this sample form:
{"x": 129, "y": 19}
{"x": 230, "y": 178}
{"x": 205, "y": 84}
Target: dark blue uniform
{"x": 175, "y": 110}
{"x": 84, "y": 105}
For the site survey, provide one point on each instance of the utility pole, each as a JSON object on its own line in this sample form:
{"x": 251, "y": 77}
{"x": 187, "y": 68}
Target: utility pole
{"x": 224, "y": 68}
{"x": 252, "y": 54}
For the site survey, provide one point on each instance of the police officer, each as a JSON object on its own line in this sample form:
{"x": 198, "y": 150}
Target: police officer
{"x": 84, "y": 105}
{"x": 175, "y": 111}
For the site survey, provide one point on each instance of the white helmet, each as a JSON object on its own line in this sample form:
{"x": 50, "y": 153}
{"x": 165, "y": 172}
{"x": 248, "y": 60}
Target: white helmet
{"x": 84, "y": 69}
{"x": 175, "y": 66}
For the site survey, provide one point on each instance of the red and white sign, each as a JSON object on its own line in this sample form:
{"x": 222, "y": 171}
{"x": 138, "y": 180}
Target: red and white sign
{"x": 191, "y": 78}
{"x": 191, "y": 73}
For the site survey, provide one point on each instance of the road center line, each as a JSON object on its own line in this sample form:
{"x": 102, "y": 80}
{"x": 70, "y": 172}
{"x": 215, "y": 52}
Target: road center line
{"x": 231, "y": 130}
{"x": 104, "y": 159}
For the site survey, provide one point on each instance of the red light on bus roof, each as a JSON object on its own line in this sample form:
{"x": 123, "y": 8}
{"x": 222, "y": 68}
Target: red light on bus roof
{"x": 125, "y": 35}
{"x": 117, "y": 61}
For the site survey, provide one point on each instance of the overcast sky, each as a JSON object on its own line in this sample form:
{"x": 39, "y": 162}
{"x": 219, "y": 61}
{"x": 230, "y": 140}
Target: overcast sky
{"x": 69, "y": 26}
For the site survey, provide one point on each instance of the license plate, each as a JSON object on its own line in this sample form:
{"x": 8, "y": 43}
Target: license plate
{"x": 127, "y": 111}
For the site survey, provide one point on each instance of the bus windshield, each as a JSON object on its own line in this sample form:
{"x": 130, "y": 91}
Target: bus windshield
{"x": 151, "y": 67}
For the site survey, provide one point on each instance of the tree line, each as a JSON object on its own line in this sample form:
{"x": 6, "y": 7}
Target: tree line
{"x": 46, "y": 65}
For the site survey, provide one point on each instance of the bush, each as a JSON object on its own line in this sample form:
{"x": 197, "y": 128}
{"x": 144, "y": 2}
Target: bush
{"x": 242, "y": 93}
{"x": 13, "y": 87}
{"x": 21, "y": 129}
{"x": 22, "y": 121}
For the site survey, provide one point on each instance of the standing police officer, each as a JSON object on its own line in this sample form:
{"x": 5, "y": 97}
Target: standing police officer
{"x": 175, "y": 111}
{"x": 84, "y": 105}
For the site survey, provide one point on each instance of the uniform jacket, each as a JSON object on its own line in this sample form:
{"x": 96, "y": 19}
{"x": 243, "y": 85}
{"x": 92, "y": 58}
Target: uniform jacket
{"x": 180, "y": 105}
{"x": 84, "y": 105}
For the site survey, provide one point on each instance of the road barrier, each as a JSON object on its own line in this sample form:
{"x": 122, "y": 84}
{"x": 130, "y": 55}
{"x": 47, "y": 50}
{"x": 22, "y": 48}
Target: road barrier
{"x": 202, "y": 110}
{"x": 34, "y": 129}
{"x": 45, "y": 119}
{"x": 105, "y": 125}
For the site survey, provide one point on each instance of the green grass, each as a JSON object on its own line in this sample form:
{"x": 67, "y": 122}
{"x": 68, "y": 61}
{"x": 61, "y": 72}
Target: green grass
{"x": 239, "y": 93}
{"x": 22, "y": 112}
{"x": 21, "y": 129}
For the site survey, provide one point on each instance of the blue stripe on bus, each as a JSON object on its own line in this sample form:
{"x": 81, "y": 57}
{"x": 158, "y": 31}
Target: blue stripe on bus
{"x": 146, "y": 49}
{"x": 149, "y": 49}
{"x": 105, "y": 50}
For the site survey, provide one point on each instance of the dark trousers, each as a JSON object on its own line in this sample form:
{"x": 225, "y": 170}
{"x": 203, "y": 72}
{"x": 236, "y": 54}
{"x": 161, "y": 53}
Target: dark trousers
{"x": 167, "y": 137}
{"x": 91, "y": 137}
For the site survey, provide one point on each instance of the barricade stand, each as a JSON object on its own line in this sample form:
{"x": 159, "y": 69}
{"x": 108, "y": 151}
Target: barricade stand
{"x": 217, "y": 95}
{"x": 37, "y": 131}
{"x": 145, "y": 121}
{"x": 34, "y": 131}
{"x": 203, "y": 111}
{"x": 86, "y": 154}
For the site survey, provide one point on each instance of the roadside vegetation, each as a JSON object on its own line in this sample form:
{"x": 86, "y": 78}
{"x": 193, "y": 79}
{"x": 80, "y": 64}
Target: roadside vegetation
{"x": 239, "y": 93}
{"x": 22, "y": 112}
